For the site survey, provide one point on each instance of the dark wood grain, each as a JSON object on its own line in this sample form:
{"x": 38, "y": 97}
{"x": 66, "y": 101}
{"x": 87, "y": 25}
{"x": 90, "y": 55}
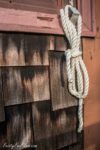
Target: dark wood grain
{"x": 75, "y": 146}
{"x": 46, "y": 144}
{"x": 35, "y": 50}
{"x": 2, "y": 112}
{"x": 42, "y": 120}
{"x": 53, "y": 128}
{"x": 60, "y": 95}
{"x": 25, "y": 84}
{"x": 19, "y": 125}
{"x": 23, "y": 49}
{"x": 3, "y": 134}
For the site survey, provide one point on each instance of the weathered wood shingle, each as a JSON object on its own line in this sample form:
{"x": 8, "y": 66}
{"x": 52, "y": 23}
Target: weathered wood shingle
{"x": 60, "y": 96}
{"x": 23, "y": 49}
{"x": 34, "y": 93}
{"x": 25, "y": 84}
{"x": 56, "y": 127}
{"x": 19, "y": 126}
{"x": 2, "y": 112}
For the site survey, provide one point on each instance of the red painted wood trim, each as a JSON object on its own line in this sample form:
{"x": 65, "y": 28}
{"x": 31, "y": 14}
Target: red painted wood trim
{"x": 36, "y": 22}
{"x": 28, "y": 21}
{"x": 87, "y": 9}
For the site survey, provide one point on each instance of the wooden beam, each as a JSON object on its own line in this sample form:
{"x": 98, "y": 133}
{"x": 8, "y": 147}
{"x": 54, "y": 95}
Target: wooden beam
{"x": 43, "y": 22}
{"x": 28, "y": 21}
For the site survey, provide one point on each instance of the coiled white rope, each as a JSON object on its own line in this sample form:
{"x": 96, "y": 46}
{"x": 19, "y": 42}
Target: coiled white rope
{"x": 78, "y": 80}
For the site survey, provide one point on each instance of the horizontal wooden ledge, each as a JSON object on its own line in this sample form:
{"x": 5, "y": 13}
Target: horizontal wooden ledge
{"x": 33, "y": 22}
{"x": 28, "y": 21}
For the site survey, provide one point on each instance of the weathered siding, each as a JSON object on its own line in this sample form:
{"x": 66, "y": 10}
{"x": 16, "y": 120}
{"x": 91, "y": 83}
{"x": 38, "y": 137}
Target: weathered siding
{"x": 23, "y": 50}
{"x": 59, "y": 84}
{"x": 35, "y": 100}
{"x": 25, "y": 84}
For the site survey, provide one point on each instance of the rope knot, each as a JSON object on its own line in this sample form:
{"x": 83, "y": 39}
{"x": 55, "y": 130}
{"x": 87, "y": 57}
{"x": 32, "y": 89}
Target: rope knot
{"x": 72, "y": 53}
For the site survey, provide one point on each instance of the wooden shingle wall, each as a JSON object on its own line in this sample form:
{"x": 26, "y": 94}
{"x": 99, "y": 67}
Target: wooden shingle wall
{"x": 35, "y": 105}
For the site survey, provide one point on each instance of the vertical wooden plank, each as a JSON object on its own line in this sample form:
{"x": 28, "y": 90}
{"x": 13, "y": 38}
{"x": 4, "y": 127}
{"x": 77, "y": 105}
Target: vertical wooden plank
{"x": 35, "y": 82}
{"x": 43, "y": 132}
{"x": 60, "y": 95}
{"x": 42, "y": 120}
{"x": 11, "y": 45}
{"x": 12, "y": 86}
{"x": 2, "y": 112}
{"x": 91, "y": 53}
{"x": 66, "y": 127}
{"x": 51, "y": 42}
{"x": 1, "y": 49}
{"x": 24, "y": 85}
{"x": 41, "y": 84}
{"x": 87, "y": 8}
{"x": 19, "y": 126}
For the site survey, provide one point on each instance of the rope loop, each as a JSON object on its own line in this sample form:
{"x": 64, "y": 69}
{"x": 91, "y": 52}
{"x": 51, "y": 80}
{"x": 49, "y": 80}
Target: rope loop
{"x": 78, "y": 80}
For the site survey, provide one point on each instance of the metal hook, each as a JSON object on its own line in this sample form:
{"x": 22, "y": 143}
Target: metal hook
{"x": 74, "y": 10}
{"x": 71, "y": 2}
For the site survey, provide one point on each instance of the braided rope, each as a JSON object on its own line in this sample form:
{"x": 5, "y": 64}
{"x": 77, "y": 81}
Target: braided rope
{"x": 78, "y": 80}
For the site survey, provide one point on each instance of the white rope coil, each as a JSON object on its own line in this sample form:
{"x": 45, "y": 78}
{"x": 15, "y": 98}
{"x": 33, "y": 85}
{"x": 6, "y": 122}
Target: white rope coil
{"x": 78, "y": 80}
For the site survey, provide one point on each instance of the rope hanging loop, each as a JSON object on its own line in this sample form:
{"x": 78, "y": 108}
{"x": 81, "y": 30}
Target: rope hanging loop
{"x": 78, "y": 79}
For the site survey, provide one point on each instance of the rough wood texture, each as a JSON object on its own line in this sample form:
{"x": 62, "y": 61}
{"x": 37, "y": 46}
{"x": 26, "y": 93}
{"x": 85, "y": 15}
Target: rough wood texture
{"x": 76, "y": 146}
{"x": 23, "y": 49}
{"x": 58, "y": 81}
{"x": 36, "y": 22}
{"x": 79, "y": 145}
{"x": 25, "y": 84}
{"x": 19, "y": 125}
{"x": 3, "y": 137}
{"x": 28, "y": 84}
{"x": 2, "y": 112}
{"x": 46, "y": 144}
{"x": 58, "y": 128}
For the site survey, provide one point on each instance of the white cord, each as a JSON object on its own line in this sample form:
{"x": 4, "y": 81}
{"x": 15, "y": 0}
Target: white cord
{"x": 78, "y": 80}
